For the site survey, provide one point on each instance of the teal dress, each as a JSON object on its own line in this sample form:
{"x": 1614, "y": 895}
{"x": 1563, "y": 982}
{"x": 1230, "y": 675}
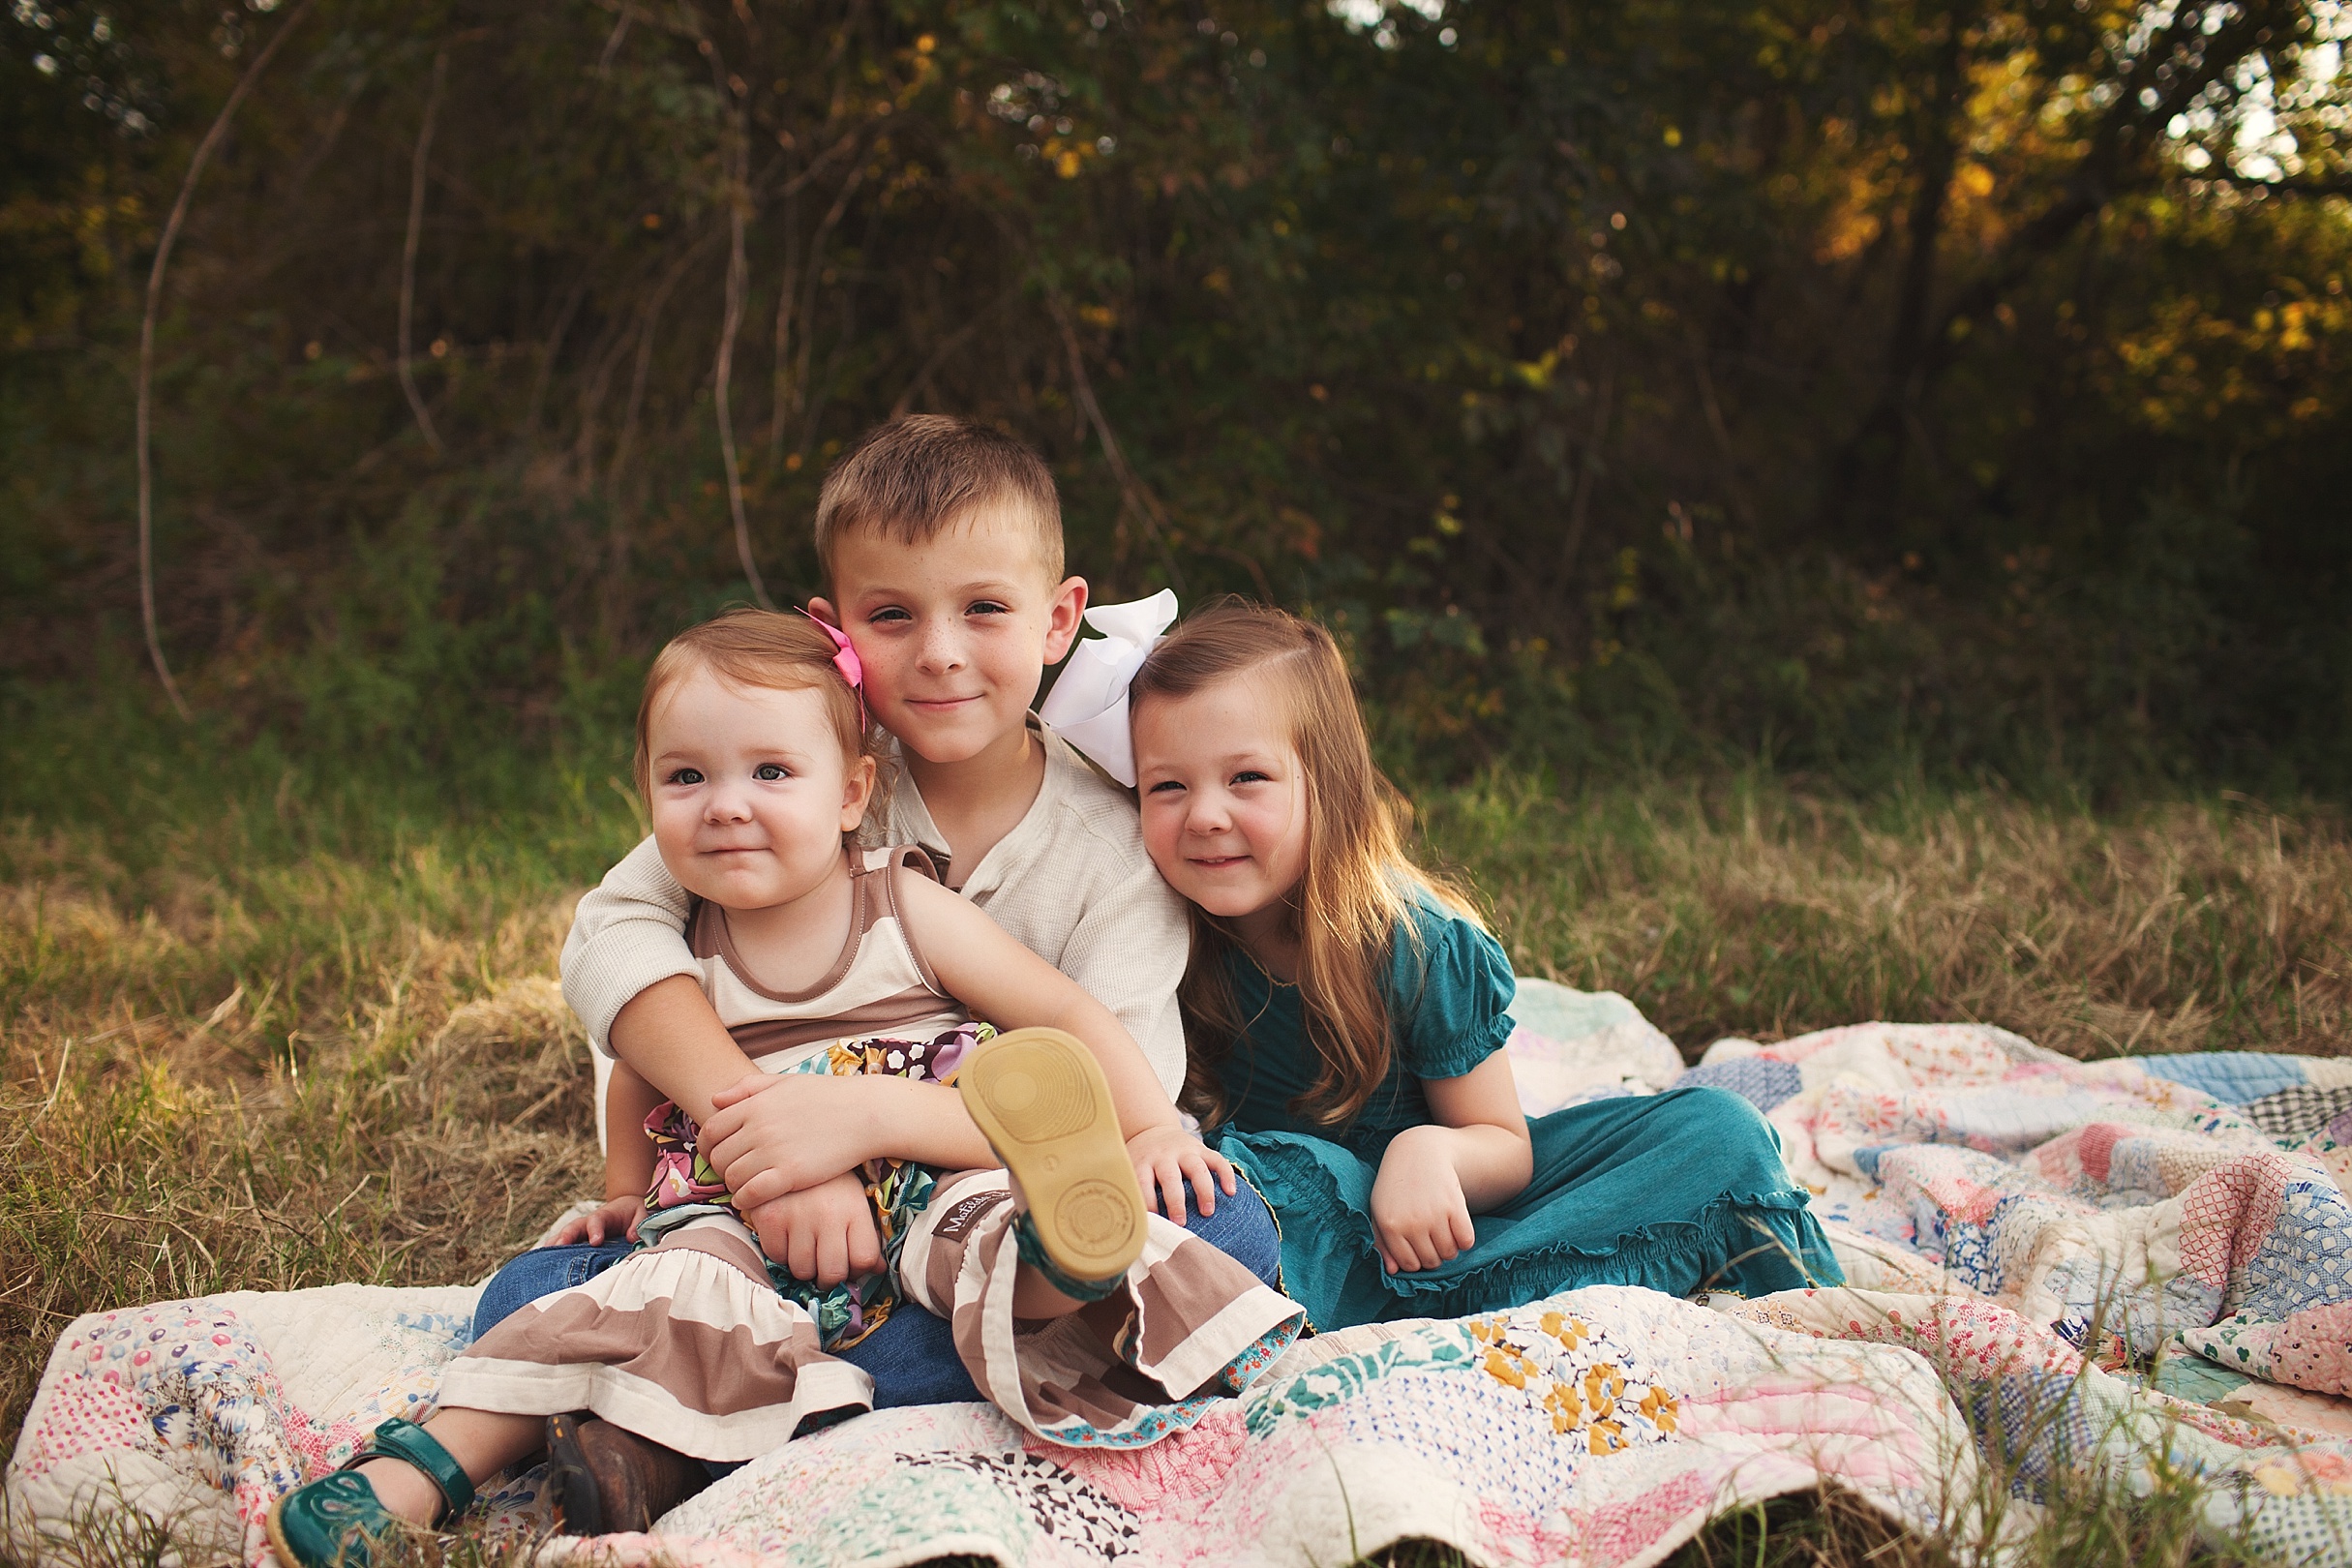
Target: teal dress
{"x": 1677, "y": 1191}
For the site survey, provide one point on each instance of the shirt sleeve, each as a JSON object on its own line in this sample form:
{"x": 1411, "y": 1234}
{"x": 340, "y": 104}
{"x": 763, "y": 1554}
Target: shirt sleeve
{"x": 1451, "y": 1001}
{"x": 1128, "y": 953}
{"x": 629, "y": 933}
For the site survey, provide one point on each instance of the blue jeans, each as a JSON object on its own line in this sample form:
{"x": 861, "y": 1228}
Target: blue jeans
{"x": 912, "y": 1357}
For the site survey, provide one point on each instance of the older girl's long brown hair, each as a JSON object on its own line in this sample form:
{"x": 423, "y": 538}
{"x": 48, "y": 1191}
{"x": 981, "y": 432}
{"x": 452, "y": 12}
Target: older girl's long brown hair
{"x": 1353, "y": 900}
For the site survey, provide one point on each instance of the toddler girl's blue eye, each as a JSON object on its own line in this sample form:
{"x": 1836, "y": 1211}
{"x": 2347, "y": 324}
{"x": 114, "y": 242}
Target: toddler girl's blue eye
{"x": 769, "y": 772}
{"x": 687, "y": 776}
{"x": 1250, "y": 775}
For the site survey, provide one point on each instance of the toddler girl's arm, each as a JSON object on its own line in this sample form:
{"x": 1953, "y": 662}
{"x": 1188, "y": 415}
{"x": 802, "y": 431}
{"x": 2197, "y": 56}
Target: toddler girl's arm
{"x": 1005, "y": 983}
{"x": 1472, "y": 1157}
{"x": 998, "y": 979}
{"x": 1128, "y": 951}
{"x": 815, "y": 1220}
{"x": 628, "y": 1163}
{"x": 629, "y": 933}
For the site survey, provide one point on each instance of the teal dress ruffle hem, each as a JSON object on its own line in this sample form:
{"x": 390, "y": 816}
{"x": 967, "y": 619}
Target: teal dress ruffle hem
{"x": 1678, "y": 1192}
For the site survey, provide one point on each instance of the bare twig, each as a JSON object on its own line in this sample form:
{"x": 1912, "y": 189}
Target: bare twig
{"x": 1580, "y": 503}
{"x": 947, "y": 346}
{"x": 1718, "y": 427}
{"x": 815, "y": 276}
{"x": 407, "y": 249}
{"x": 611, "y": 43}
{"x": 1132, "y": 489}
{"x": 788, "y": 291}
{"x": 146, "y": 347}
{"x": 738, "y": 271}
{"x": 650, "y": 318}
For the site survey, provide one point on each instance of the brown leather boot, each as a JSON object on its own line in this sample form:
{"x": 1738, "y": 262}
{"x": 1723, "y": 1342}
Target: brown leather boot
{"x": 605, "y": 1479}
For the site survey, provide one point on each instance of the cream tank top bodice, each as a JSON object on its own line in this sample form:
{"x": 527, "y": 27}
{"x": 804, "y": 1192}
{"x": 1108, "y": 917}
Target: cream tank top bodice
{"x": 880, "y": 985}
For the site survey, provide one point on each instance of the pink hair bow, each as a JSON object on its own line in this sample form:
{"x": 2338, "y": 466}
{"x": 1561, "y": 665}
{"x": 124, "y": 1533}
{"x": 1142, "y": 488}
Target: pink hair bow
{"x": 845, "y": 661}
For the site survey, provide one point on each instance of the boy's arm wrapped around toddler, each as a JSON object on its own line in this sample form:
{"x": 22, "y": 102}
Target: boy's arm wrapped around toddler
{"x": 629, "y": 935}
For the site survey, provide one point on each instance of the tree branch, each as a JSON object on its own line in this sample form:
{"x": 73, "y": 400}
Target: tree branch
{"x": 407, "y": 248}
{"x": 146, "y": 346}
{"x": 1136, "y": 493}
{"x": 738, "y": 268}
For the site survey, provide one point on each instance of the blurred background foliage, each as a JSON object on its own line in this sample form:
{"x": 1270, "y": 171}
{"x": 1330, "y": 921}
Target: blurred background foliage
{"x": 1923, "y": 387}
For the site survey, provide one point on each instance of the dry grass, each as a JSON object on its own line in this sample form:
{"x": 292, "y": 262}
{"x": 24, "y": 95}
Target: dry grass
{"x": 303, "y": 1080}
{"x": 2222, "y": 925}
{"x": 239, "y": 1055}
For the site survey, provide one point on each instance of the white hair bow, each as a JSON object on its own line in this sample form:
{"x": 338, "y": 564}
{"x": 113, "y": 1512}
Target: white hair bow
{"x": 1088, "y": 705}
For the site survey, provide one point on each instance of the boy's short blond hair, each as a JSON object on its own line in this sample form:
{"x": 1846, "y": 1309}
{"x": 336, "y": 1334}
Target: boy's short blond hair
{"x": 913, "y": 478}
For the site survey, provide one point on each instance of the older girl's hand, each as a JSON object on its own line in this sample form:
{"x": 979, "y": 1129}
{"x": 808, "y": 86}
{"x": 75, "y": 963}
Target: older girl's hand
{"x": 1165, "y": 1158}
{"x": 1420, "y": 1217}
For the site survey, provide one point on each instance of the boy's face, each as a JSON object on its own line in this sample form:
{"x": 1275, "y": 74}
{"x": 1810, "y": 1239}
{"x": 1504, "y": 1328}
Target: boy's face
{"x": 954, "y": 632}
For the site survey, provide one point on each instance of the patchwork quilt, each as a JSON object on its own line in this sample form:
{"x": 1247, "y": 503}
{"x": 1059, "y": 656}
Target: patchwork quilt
{"x": 2134, "y": 1267}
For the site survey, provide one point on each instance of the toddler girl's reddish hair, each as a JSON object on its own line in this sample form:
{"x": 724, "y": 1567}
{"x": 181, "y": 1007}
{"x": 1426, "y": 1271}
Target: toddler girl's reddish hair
{"x": 761, "y": 650}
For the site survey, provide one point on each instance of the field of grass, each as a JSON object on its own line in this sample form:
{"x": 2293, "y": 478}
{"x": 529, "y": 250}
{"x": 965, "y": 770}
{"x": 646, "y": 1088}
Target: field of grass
{"x": 262, "y": 1027}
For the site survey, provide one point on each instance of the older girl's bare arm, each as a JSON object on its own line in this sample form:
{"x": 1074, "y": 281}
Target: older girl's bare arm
{"x": 1004, "y": 983}
{"x": 1471, "y": 1156}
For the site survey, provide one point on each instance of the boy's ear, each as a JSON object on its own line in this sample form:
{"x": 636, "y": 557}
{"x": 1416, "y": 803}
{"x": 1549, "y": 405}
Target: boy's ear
{"x": 857, "y": 793}
{"x": 1062, "y": 617}
{"x": 823, "y": 610}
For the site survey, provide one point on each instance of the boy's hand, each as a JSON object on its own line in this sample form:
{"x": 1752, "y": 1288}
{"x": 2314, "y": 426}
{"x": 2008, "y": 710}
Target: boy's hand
{"x": 825, "y": 1233}
{"x": 779, "y": 1132}
{"x": 1420, "y": 1218}
{"x": 617, "y": 1217}
{"x": 1164, "y": 1156}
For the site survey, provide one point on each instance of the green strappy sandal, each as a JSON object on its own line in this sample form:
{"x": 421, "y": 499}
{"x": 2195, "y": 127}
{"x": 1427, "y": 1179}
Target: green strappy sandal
{"x": 337, "y": 1519}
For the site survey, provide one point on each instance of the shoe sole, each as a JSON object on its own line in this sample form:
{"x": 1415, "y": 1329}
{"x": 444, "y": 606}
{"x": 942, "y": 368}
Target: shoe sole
{"x": 277, "y": 1536}
{"x": 283, "y": 1550}
{"x": 578, "y": 1506}
{"x": 1045, "y": 1106}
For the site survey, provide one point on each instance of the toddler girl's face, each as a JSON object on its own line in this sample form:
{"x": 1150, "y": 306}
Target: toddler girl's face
{"x": 1223, "y": 798}
{"x": 751, "y": 793}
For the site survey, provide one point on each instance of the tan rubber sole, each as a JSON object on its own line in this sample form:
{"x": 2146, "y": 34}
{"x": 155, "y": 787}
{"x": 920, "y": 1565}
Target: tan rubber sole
{"x": 1042, "y": 1102}
{"x": 277, "y": 1537}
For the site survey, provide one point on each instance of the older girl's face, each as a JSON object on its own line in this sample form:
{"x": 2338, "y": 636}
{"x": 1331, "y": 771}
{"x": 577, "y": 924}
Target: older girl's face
{"x": 1223, "y": 799}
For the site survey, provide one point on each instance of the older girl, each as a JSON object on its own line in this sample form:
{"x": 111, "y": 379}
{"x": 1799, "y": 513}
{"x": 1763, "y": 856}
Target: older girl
{"x": 1346, "y": 1012}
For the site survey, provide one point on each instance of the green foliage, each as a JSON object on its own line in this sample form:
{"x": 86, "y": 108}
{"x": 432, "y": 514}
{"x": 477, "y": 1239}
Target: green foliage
{"x": 1950, "y": 387}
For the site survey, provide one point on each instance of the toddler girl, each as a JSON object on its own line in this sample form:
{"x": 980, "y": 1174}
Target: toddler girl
{"x": 1346, "y": 1013}
{"x": 1087, "y": 1318}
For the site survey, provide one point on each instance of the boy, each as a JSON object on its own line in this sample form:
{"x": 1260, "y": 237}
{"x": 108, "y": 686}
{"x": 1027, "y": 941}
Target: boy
{"x": 942, "y": 546}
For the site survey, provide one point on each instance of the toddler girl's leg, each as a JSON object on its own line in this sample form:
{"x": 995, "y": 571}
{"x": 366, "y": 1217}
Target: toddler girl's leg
{"x": 426, "y": 1477}
{"x": 913, "y": 1358}
{"x": 542, "y": 1272}
{"x": 1185, "y": 1324}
